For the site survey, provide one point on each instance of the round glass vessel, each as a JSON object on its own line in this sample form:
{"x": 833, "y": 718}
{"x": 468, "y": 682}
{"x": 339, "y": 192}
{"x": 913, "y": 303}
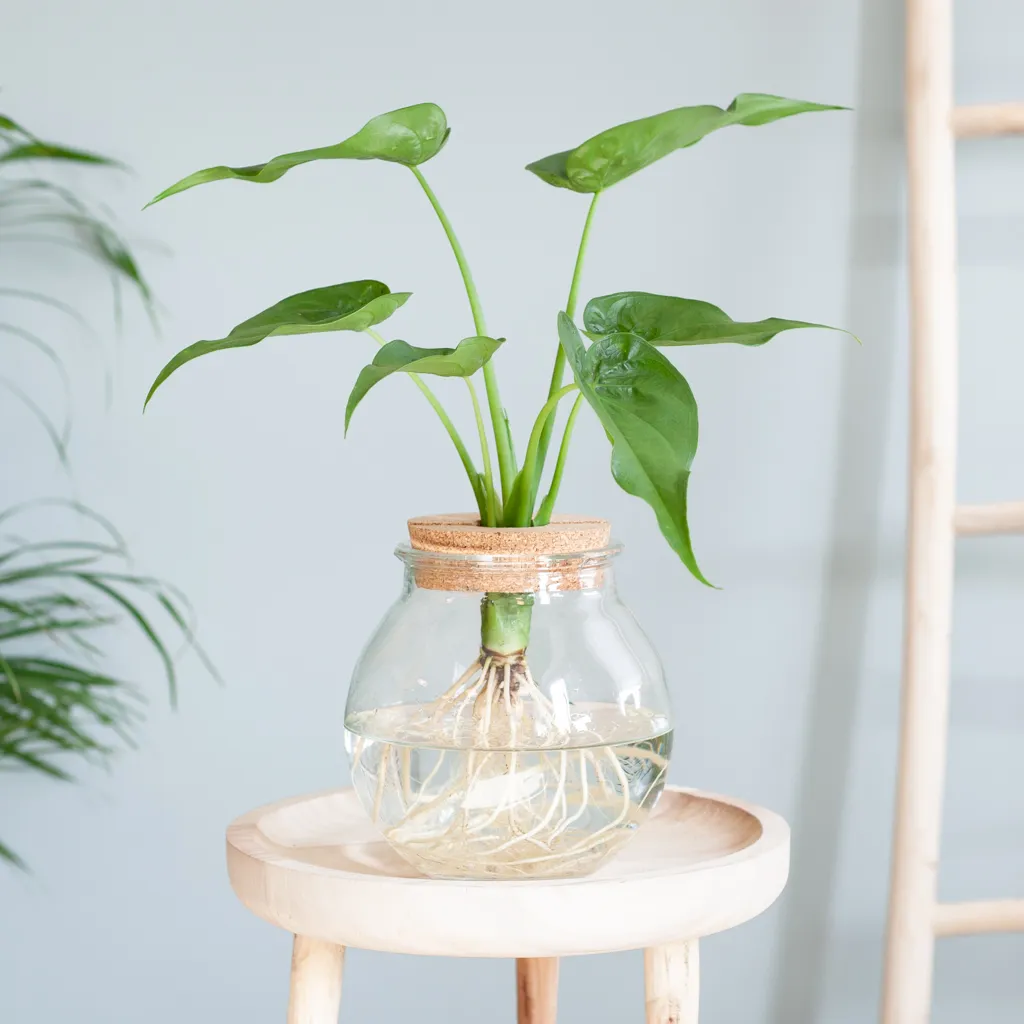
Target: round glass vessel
{"x": 509, "y": 718}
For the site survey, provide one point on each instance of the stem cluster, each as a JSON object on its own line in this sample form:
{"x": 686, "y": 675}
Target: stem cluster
{"x": 512, "y": 498}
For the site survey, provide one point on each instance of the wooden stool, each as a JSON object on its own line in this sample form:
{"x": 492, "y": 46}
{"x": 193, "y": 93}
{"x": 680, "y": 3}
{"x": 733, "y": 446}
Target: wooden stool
{"x": 315, "y": 866}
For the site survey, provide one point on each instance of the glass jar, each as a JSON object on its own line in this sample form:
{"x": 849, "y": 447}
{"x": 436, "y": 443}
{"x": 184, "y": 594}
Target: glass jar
{"x": 508, "y": 718}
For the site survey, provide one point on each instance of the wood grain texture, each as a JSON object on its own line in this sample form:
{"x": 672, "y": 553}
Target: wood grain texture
{"x": 315, "y": 994}
{"x": 906, "y": 997}
{"x": 537, "y": 990}
{"x": 984, "y": 119}
{"x": 976, "y": 917}
{"x": 998, "y": 517}
{"x": 316, "y": 866}
{"x": 672, "y": 983}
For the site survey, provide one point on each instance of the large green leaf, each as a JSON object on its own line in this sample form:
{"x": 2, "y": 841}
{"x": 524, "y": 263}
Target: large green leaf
{"x": 667, "y": 320}
{"x": 410, "y": 136}
{"x": 353, "y": 306}
{"x": 398, "y": 356}
{"x": 621, "y": 151}
{"x": 650, "y": 416}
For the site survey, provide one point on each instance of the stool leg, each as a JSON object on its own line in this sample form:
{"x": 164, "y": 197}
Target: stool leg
{"x": 316, "y": 981}
{"x": 537, "y": 990}
{"x": 672, "y": 983}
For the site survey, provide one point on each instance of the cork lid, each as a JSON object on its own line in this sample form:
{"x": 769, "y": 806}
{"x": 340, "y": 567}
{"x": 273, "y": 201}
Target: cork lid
{"x": 567, "y": 554}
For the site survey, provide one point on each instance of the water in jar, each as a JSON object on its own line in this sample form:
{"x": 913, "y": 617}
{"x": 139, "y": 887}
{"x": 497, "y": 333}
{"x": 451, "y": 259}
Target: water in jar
{"x": 466, "y": 804}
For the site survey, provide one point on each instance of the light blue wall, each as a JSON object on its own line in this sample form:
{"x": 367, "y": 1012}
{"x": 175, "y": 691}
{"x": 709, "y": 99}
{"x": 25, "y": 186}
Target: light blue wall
{"x": 238, "y": 487}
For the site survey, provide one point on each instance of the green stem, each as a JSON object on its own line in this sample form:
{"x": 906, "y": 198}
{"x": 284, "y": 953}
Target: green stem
{"x": 505, "y": 623}
{"x": 531, "y": 470}
{"x": 570, "y": 309}
{"x": 460, "y": 447}
{"x": 547, "y": 506}
{"x": 491, "y": 519}
{"x": 577, "y": 270}
{"x": 502, "y": 439}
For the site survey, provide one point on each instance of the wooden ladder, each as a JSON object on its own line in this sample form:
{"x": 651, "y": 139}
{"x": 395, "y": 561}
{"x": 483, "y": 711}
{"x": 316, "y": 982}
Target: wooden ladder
{"x": 916, "y": 917}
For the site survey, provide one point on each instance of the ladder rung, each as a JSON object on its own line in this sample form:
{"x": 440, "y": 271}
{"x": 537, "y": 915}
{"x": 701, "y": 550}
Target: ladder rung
{"x": 988, "y": 119}
{"x": 979, "y": 916}
{"x": 1000, "y": 517}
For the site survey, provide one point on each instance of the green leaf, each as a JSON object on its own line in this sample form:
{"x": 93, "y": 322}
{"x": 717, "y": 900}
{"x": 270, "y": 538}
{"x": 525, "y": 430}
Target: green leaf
{"x": 36, "y": 150}
{"x": 7, "y": 854}
{"x": 59, "y": 702}
{"x": 37, "y": 201}
{"x": 667, "y": 320}
{"x": 410, "y": 136}
{"x": 399, "y": 356}
{"x": 110, "y": 250}
{"x": 58, "y": 437}
{"x": 8, "y": 124}
{"x": 353, "y": 306}
{"x": 650, "y": 415}
{"x": 621, "y": 151}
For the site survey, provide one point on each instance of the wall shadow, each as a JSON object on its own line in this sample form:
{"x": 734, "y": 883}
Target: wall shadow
{"x": 874, "y": 284}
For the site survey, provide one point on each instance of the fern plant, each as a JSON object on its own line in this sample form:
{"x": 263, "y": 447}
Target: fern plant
{"x": 61, "y": 597}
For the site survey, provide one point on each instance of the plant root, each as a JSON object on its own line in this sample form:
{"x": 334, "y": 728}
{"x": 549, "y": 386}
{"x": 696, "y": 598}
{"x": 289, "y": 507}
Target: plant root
{"x": 514, "y": 789}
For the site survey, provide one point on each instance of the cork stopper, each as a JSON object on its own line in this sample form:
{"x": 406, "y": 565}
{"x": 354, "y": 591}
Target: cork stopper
{"x": 567, "y": 554}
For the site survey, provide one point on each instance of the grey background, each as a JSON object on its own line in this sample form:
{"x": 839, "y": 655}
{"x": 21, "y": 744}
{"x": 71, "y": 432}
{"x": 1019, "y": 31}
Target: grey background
{"x": 238, "y": 487}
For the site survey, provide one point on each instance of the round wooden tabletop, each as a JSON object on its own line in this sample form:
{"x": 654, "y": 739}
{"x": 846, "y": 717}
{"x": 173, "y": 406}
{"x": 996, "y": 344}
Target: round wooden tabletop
{"x": 316, "y": 866}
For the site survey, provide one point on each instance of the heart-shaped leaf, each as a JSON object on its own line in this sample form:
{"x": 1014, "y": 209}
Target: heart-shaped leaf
{"x": 399, "y": 356}
{"x": 353, "y": 306}
{"x": 410, "y": 136}
{"x": 667, "y": 320}
{"x": 650, "y": 416}
{"x": 621, "y": 151}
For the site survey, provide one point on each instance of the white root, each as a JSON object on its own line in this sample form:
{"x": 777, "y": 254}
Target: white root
{"x": 357, "y": 753}
{"x": 382, "y": 774}
{"x": 469, "y": 698}
{"x": 506, "y": 692}
{"x": 502, "y": 805}
{"x": 405, "y": 755}
{"x": 583, "y": 801}
{"x": 542, "y": 824}
{"x": 425, "y": 785}
{"x": 513, "y": 790}
{"x": 464, "y": 682}
{"x": 488, "y": 698}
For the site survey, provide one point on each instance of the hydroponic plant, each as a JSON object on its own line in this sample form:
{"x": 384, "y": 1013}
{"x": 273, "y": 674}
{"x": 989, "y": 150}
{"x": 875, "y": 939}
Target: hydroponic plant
{"x": 491, "y": 710}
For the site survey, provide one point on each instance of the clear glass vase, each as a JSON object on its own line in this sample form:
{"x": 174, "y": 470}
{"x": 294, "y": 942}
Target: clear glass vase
{"x": 508, "y": 719}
